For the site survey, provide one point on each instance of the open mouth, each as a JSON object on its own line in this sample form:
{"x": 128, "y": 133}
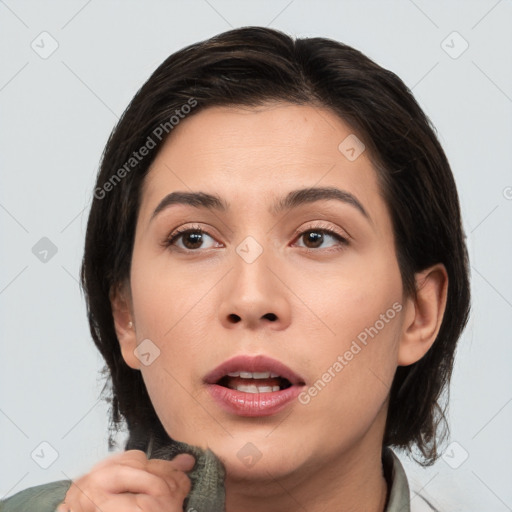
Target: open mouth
{"x": 253, "y": 385}
{"x": 254, "y": 382}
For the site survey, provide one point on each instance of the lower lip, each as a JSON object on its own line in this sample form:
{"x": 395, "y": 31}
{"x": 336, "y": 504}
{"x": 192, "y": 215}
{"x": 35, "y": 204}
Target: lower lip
{"x": 253, "y": 404}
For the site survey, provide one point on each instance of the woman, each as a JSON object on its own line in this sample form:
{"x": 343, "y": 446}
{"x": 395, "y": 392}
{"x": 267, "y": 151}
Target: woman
{"x": 276, "y": 276}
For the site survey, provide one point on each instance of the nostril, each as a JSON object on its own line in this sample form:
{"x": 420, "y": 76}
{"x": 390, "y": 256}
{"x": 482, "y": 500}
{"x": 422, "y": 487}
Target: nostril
{"x": 235, "y": 318}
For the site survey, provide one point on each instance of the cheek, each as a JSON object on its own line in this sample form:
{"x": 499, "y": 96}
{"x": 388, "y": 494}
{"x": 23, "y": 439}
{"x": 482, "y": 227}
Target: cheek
{"x": 167, "y": 296}
{"x": 360, "y": 321}
{"x": 165, "y": 303}
{"x": 172, "y": 309}
{"x": 354, "y": 372}
{"x": 347, "y": 298}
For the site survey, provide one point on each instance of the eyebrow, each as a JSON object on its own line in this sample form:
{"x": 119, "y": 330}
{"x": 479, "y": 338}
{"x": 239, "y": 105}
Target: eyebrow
{"x": 292, "y": 200}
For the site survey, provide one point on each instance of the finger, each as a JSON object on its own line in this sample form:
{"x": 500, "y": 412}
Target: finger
{"x": 174, "y": 478}
{"x": 184, "y": 461}
{"x": 139, "y": 502}
{"x": 137, "y": 458}
{"x": 149, "y": 504}
{"x": 72, "y": 499}
{"x": 62, "y": 508}
{"x": 129, "y": 479}
{"x": 121, "y": 486}
{"x": 170, "y": 472}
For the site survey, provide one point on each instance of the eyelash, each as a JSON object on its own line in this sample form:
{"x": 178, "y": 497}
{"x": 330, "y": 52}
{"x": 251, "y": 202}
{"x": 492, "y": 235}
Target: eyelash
{"x": 343, "y": 241}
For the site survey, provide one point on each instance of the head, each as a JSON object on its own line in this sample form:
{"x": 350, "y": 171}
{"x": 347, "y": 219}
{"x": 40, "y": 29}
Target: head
{"x": 364, "y": 296}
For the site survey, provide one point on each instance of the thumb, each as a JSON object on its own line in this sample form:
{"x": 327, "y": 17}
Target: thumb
{"x": 184, "y": 461}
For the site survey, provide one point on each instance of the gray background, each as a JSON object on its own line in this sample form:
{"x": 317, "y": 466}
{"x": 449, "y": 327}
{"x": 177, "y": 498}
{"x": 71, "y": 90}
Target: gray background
{"x": 56, "y": 114}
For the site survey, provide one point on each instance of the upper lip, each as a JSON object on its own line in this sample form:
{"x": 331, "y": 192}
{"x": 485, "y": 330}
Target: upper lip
{"x": 258, "y": 363}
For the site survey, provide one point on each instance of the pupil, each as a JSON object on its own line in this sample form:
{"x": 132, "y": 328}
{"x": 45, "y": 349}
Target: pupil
{"x": 192, "y": 236}
{"x": 314, "y": 237}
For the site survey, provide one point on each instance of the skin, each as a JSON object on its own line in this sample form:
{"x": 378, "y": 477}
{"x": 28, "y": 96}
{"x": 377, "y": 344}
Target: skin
{"x": 184, "y": 302}
{"x": 129, "y": 481}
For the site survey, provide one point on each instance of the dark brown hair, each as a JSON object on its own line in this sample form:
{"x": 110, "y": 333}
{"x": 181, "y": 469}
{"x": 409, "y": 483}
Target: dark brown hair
{"x": 250, "y": 66}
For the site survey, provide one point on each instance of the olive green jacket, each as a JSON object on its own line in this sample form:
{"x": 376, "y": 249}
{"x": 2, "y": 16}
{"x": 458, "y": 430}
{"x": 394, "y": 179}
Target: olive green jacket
{"x": 207, "y": 493}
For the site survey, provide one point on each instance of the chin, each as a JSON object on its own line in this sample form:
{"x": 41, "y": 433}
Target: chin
{"x": 262, "y": 471}
{"x": 251, "y": 457}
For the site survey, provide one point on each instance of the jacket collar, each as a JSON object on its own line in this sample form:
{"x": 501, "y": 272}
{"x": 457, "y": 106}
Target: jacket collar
{"x": 398, "y": 486}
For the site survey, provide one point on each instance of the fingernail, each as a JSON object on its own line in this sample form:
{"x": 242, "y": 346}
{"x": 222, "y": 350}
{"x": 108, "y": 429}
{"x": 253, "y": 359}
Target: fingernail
{"x": 185, "y": 461}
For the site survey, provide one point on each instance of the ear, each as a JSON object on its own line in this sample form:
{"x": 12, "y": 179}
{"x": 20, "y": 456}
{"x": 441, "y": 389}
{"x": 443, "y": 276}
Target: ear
{"x": 120, "y": 300}
{"x": 424, "y": 314}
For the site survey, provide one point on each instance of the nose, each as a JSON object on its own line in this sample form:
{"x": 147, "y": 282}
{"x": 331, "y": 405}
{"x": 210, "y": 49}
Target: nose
{"x": 255, "y": 296}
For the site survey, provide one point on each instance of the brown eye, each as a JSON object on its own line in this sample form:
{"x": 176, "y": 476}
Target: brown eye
{"x": 190, "y": 239}
{"x": 315, "y": 238}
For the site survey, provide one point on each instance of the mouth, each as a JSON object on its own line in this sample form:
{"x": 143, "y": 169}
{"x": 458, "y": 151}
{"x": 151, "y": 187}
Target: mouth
{"x": 254, "y": 382}
{"x": 253, "y": 385}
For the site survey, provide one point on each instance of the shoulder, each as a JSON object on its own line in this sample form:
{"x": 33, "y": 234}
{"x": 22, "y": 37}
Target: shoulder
{"x": 406, "y": 494}
{"x": 398, "y": 485}
{"x": 41, "y": 498}
{"x": 424, "y": 501}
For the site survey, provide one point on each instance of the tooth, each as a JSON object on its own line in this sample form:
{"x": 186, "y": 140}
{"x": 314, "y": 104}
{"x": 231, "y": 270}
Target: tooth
{"x": 257, "y": 389}
{"x": 273, "y": 375}
{"x": 234, "y": 374}
{"x": 261, "y": 375}
{"x": 246, "y": 375}
{"x": 247, "y": 389}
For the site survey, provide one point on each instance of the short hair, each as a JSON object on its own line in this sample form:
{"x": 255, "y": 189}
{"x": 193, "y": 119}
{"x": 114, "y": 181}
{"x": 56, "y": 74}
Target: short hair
{"x": 250, "y": 66}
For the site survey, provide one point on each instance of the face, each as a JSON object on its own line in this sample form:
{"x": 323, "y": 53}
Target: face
{"x": 314, "y": 285}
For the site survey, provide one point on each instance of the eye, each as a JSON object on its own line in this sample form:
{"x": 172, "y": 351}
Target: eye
{"x": 316, "y": 236}
{"x": 192, "y": 238}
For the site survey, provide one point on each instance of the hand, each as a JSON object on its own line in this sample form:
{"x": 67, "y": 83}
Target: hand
{"x": 128, "y": 481}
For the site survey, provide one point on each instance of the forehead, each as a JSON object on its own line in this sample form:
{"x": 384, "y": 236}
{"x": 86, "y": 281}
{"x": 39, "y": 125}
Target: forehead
{"x": 259, "y": 151}
{"x": 279, "y": 128}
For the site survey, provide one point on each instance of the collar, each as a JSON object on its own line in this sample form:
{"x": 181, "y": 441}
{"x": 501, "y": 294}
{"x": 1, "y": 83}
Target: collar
{"x": 398, "y": 486}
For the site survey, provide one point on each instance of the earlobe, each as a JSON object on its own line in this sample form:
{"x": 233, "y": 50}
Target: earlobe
{"x": 125, "y": 330}
{"x": 424, "y": 314}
